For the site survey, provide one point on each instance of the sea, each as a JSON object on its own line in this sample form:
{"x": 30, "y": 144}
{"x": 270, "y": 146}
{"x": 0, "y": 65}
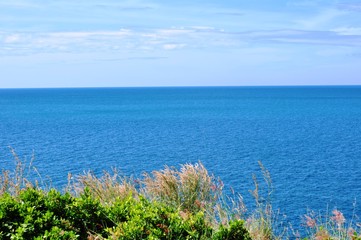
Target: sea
{"x": 308, "y": 138}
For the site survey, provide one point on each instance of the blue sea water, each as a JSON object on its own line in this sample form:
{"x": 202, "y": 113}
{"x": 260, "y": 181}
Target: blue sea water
{"x": 309, "y": 138}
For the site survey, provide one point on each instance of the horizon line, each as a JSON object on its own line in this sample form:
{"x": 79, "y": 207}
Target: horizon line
{"x": 185, "y": 86}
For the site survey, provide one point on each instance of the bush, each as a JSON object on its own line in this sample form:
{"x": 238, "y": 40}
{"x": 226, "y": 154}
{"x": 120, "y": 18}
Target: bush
{"x": 35, "y": 214}
{"x": 142, "y": 219}
{"x": 235, "y": 231}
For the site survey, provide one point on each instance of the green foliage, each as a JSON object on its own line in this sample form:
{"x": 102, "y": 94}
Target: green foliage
{"x": 88, "y": 215}
{"x": 30, "y": 214}
{"x": 35, "y": 214}
{"x": 235, "y": 231}
{"x": 142, "y": 219}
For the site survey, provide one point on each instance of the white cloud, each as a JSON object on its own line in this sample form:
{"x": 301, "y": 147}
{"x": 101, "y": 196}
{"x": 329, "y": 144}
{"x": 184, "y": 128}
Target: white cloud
{"x": 203, "y": 28}
{"x": 121, "y": 40}
{"x": 20, "y": 4}
{"x": 308, "y": 3}
{"x": 350, "y": 6}
{"x": 25, "y": 43}
{"x": 319, "y": 20}
{"x": 174, "y": 31}
{"x": 72, "y": 35}
{"x": 348, "y": 31}
{"x": 172, "y": 46}
{"x": 301, "y": 37}
{"x": 12, "y": 38}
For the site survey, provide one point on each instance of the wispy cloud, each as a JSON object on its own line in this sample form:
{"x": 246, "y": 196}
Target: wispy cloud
{"x": 348, "y": 31}
{"x": 258, "y": 28}
{"x": 211, "y": 39}
{"x": 28, "y": 42}
{"x": 21, "y": 4}
{"x": 172, "y": 46}
{"x": 306, "y": 3}
{"x": 198, "y": 37}
{"x": 231, "y": 13}
{"x": 319, "y": 20}
{"x": 335, "y": 37}
{"x": 350, "y": 6}
{"x": 121, "y": 40}
{"x": 120, "y": 7}
{"x": 149, "y": 58}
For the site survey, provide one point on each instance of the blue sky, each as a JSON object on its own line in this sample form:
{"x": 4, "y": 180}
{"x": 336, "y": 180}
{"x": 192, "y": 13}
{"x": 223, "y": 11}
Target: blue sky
{"x": 109, "y": 43}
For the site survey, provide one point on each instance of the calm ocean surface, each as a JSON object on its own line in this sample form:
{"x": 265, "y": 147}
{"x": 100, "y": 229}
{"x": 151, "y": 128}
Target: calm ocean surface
{"x": 309, "y": 138}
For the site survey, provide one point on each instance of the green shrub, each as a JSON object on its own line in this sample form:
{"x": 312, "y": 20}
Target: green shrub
{"x": 142, "y": 219}
{"x": 35, "y": 213}
{"x": 10, "y": 217}
{"x": 235, "y": 231}
{"x": 88, "y": 216}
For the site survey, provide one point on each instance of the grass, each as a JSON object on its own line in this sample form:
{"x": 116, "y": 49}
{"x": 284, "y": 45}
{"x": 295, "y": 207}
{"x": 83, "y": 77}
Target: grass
{"x": 193, "y": 194}
{"x": 108, "y": 188}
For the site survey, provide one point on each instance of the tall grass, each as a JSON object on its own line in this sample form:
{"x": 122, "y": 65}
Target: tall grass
{"x": 331, "y": 225}
{"x": 107, "y": 188}
{"x": 13, "y": 182}
{"x": 191, "y": 189}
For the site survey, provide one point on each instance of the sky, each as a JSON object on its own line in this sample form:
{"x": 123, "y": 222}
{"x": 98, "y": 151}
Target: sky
{"x": 135, "y": 43}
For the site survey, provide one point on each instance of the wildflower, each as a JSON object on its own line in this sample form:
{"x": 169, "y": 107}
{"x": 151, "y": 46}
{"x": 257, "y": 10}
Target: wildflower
{"x": 163, "y": 227}
{"x": 338, "y": 217}
{"x": 351, "y": 232}
{"x": 297, "y": 235}
{"x": 268, "y": 209}
{"x": 199, "y": 204}
{"x": 221, "y": 184}
{"x": 249, "y": 221}
{"x": 310, "y": 222}
{"x": 322, "y": 235}
{"x": 136, "y": 181}
{"x": 183, "y": 215}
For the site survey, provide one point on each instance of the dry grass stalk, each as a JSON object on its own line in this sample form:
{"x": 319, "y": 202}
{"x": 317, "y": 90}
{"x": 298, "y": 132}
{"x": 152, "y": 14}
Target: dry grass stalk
{"x": 163, "y": 185}
{"x": 261, "y": 221}
{"x": 334, "y": 226}
{"x": 107, "y": 188}
{"x": 190, "y": 189}
{"x": 4, "y": 182}
{"x": 195, "y": 184}
{"x": 14, "y": 182}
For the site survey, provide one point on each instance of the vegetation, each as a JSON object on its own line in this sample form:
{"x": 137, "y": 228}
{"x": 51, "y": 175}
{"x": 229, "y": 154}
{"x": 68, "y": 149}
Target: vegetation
{"x": 188, "y": 203}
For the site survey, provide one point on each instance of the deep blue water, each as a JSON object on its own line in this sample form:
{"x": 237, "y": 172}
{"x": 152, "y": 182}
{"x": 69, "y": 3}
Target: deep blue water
{"x": 309, "y": 138}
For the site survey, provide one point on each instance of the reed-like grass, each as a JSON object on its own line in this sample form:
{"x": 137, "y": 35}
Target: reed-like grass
{"x": 190, "y": 189}
{"x": 13, "y": 182}
{"x": 107, "y": 188}
{"x": 331, "y": 225}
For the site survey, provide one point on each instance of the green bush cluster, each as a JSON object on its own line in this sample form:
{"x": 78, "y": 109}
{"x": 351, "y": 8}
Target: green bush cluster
{"x": 36, "y": 214}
